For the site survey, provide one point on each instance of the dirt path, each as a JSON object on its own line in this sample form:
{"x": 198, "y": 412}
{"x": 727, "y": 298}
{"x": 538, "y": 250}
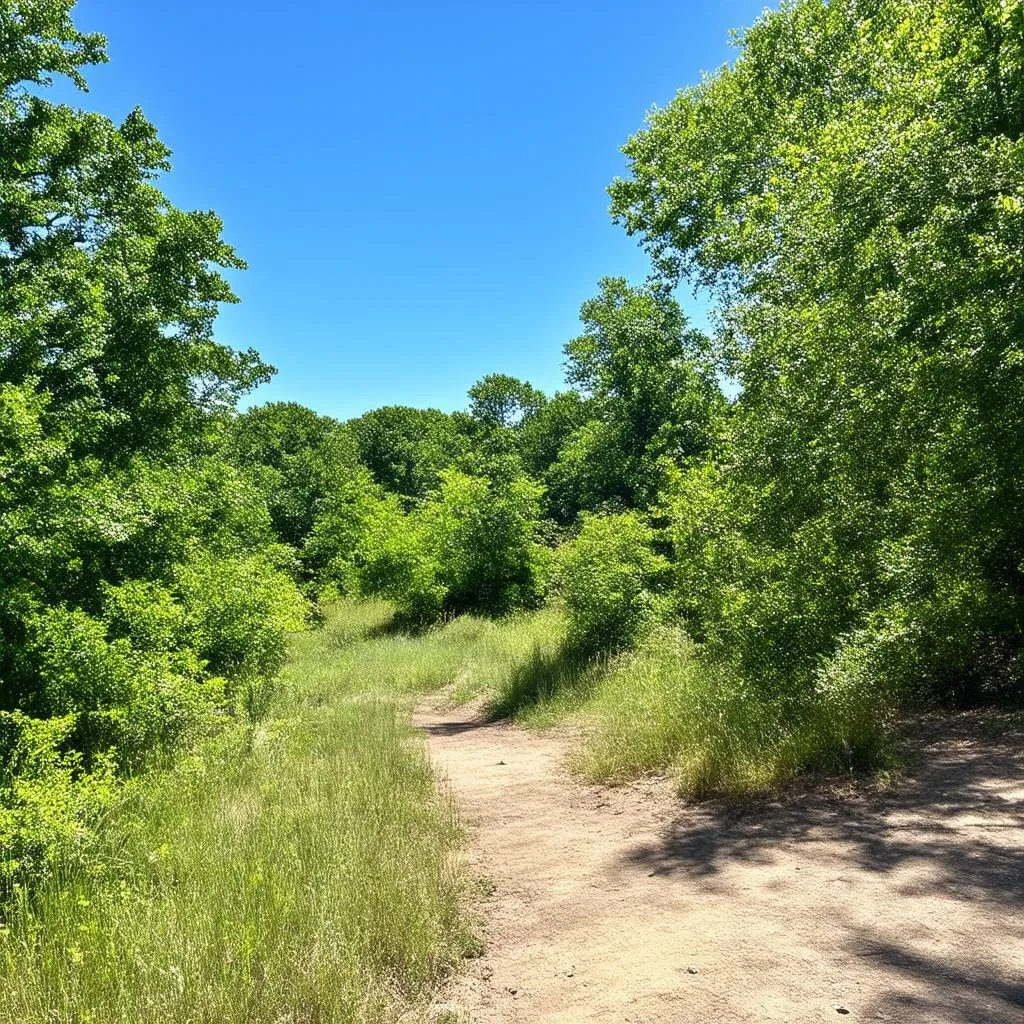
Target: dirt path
{"x": 624, "y": 905}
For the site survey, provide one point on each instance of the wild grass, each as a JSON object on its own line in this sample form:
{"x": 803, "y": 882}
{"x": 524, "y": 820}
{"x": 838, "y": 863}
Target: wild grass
{"x": 666, "y": 708}
{"x": 304, "y": 869}
{"x": 300, "y": 870}
{"x": 662, "y": 708}
{"x": 469, "y": 657}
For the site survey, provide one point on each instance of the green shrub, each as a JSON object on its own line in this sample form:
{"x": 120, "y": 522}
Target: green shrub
{"x": 612, "y": 582}
{"x": 667, "y": 707}
{"x": 481, "y": 532}
{"x": 397, "y": 562}
{"x": 470, "y": 546}
{"x": 344, "y": 537}
{"x": 48, "y": 801}
{"x": 239, "y": 611}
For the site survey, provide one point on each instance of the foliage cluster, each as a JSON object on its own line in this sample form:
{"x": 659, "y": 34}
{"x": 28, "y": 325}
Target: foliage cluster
{"x": 145, "y": 593}
{"x": 852, "y": 189}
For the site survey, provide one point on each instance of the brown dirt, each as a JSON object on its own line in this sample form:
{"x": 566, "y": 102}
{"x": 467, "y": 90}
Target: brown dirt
{"x": 627, "y": 905}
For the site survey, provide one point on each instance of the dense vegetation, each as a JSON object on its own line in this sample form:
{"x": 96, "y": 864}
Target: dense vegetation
{"x": 145, "y": 591}
{"x": 300, "y": 871}
{"x": 734, "y": 588}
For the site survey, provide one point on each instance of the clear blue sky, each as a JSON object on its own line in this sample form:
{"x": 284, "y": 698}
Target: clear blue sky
{"x": 418, "y": 188}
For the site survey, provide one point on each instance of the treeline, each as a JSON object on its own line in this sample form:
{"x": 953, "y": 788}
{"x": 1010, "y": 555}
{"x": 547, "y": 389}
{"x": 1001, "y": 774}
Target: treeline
{"x": 846, "y": 533}
{"x": 841, "y": 537}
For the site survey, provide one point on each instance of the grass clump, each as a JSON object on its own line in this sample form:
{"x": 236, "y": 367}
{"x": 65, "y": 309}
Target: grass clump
{"x": 303, "y": 870}
{"x": 667, "y": 708}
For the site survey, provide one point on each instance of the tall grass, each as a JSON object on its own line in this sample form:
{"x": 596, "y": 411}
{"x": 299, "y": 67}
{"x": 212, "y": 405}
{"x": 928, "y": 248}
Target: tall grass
{"x": 469, "y": 656}
{"x": 304, "y": 869}
{"x": 300, "y": 870}
{"x": 665, "y": 708}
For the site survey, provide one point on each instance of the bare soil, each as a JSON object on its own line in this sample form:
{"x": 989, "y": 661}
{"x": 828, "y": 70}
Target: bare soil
{"x": 855, "y": 903}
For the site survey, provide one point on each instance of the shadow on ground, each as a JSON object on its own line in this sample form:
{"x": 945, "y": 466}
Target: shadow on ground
{"x": 964, "y": 800}
{"x": 952, "y": 830}
{"x": 474, "y": 723}
{"x": 546, "y": 676}
{"x": 939, "y": 988}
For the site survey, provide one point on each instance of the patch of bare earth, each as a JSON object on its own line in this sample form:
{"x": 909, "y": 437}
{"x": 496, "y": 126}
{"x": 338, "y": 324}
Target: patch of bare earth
{"x": 628, "y": 905}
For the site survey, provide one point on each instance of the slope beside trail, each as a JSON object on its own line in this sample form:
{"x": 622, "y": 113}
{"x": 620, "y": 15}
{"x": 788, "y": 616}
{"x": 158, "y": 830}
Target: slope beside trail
{"x": 627, "y": 905}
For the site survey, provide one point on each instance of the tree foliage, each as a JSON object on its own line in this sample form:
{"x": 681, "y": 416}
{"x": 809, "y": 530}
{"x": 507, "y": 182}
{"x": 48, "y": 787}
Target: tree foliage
{"x": 853, "y": 188}
{"x": 143, "y": 586}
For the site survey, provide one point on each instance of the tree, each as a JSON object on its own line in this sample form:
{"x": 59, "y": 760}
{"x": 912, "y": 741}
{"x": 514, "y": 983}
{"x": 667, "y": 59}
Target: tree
{"x": 136, "y": 563}
{"x": 107, "y": 292}
{"x": 653, "y": 401}
{"x": 405, "y": 449}
{"x": 499, "y": 400}
{"x": 853, "y": 188}
{"x": 298, "y": 457}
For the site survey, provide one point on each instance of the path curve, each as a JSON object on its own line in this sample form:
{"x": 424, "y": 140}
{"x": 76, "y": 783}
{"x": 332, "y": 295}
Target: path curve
{"x": 626, "y": 905}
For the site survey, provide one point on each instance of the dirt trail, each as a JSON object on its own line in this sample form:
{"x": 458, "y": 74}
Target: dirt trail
{"x": 626, "y": 905}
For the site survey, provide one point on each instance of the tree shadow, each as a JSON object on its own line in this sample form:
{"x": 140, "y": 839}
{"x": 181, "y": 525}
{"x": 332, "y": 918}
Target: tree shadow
{"x": 449, "y": 728}
{"x": 545, "y": 677}
{"x": 934, "y": 815}
{"x": 934, "y": 867}
{"x": 952, "y": 830}
{"x": 940, "y": 988}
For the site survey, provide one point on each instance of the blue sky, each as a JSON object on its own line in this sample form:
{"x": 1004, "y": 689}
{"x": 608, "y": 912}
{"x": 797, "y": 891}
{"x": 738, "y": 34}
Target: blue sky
{"x": 418, "y": 188}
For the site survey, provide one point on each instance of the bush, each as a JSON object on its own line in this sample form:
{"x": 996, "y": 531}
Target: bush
{"x": 397, "y": 562}
{"x": 338, "y": 545}
{"x": 48, "y": 801}
{"x": 239, "y": 611}
{"x": 481, "y": 531}
{"x": 471, "y": 546}
{"x": 612, "y": 582}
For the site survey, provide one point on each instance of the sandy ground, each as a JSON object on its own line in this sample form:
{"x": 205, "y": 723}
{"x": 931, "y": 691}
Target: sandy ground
{"x": 627, "y": 905}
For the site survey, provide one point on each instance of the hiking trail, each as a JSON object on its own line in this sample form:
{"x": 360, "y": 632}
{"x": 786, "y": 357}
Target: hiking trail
{"x": 626, "y": 904}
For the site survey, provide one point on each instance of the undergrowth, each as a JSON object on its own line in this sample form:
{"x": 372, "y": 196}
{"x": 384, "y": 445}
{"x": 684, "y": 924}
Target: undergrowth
{"x": 664, "y": 707}
{"x": 667, "y": 708}
{"x": 301, "y": 870}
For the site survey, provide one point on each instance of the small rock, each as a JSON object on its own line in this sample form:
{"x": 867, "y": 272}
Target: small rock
{"x": 510, "y": 990}
{"x": 842, "y": 1009}
{"x": 501, "y": 762}
{"x": 692, "y": 970}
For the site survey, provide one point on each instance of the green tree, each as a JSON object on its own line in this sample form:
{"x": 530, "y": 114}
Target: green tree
{"x": 405, "y": 449}
{"x": 499, "y": 400}
{"x": 107, "y": 292}
{"x": 612, "y": 581}
{"x": 137, "y": 565}
{"x": 853, "y": 188}
{"x": 650, "y": 390}
{"x": 298, "y": 457}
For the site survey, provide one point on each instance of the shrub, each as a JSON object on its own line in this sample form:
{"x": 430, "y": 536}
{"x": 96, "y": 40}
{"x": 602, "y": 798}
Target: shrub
{"x": 481, "y": 531}
{"x": 47, "y": 799}
{"x": 612, "y": 582}
{"x": 337, "y": 547}
{"x": 471, "y": 546}
{"x": 239, "y": 611}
